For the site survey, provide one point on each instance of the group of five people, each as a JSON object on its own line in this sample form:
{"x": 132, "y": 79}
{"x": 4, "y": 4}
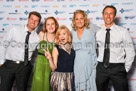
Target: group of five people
{"x": 68, "y": 61}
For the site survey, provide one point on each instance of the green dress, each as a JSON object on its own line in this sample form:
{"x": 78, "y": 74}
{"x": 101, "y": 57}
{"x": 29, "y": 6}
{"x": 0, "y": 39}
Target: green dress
{"x": 42, "y": 68}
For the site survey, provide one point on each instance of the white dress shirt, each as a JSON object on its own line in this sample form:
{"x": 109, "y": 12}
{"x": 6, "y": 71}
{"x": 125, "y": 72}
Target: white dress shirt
{"x": 121, "y": 46}
{"x": 12, "y": 45}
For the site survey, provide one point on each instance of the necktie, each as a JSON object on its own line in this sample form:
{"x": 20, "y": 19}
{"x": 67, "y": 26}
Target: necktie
{"x": 107, "y": 49}
{"x": 26, "y": 48}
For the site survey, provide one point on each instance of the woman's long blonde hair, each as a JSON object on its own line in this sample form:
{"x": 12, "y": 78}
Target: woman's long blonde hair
{"x": 87, "y": 23}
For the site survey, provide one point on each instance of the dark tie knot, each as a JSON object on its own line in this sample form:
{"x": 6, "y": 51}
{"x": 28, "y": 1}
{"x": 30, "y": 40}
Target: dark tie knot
{"x": 28, "y": 32}
{"x": 108, "y": 29}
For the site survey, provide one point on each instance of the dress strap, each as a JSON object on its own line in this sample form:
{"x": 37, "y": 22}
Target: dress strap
{"x": 58, "y": 48}
{"x": 43, "y": 36}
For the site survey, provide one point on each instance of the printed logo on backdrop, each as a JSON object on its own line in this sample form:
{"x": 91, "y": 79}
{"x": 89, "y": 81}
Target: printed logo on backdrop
{"x": 35, "y": 0}
{"x": 11, "y": 18}
{"x": 1, "y": 12}
{"x": 60, "y": 0}
{"x": 86, "y": 0}
{"x": 10, "y": 0}
{"x": 72, "y": 6}
{"x": 114, "y": 4}
{"x": 95, "y": 5}
{"x": 16, "y": 24}
{"x": 15, "y": 12}
{"x": 122, "y": 24}
{"x": 71, "y": 13}
{"x": 129, "y": 17}
{"x": 45, "y": 6}
{"x": 84, "y": 5}
{"x": 23, "y": 0}
{"x": 63, "y": 19}
{"x": 90, "y": 18}
{"x": 7, "y": 6}
{"x": 70, "y": 19}
{"x": 133, "y": 37}
{"x": 59, "y": 12}
{"x": 23, "y": 18}
{"x": 17, "y": 6}
{"x": 129, "y": 3}
{"x": 26, "y": 6}
{"x": 64, "y": 6}
{"x": 45, "y": 12}
{"x": 34, "y": 6}
{"x": 55, "y": 6}
{"x": 48, "y": 0}
{"x": 130, "y": 30}
{"x": 5, "y": 25}
{"x": 26, "y": 12}
{"x": 2, "y": 30}
{"x": 125, "y": 10}
{"x": 99, "y": 18}
{"x": 73, "y": 0}
{"x": 92, "y": 11}
{"x": 1, "y": 18}
{"x": 134, "y": 24}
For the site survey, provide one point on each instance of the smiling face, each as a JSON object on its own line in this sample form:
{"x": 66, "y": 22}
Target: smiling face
{"x": 79, "y": 21}
{"x": 109, "y": 16}
{"x": 50, "y": 26}
{"x": 33, "y": 22}
{"x": 63, "y": 36}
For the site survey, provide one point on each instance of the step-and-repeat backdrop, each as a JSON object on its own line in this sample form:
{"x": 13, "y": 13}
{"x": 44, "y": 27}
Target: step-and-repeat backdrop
{"x": 15, "y": 12}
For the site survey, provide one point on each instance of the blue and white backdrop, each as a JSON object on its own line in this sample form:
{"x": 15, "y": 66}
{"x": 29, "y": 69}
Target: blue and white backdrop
{"x": 15, "y": 12}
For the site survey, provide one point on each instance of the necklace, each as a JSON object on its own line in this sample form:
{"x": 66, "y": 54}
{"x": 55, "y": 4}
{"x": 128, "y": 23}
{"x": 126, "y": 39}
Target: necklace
{"x": 48, "y": 40}
{"x": 67, "y": 47}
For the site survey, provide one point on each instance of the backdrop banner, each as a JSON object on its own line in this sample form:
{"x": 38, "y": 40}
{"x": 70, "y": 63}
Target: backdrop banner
{"x": 15, "y": 13}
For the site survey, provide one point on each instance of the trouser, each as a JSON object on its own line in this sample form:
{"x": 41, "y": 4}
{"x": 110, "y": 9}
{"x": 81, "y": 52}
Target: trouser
{"x": 115, "y": 73}
{"x": 11, "y": 71}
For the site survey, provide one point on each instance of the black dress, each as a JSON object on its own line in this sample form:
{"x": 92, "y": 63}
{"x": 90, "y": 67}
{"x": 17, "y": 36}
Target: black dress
{"x": 62, "y": 77}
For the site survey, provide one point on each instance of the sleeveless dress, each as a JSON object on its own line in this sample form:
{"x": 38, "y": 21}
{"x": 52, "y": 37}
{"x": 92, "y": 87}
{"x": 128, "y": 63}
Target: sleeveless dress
{"x": 62, "y": 77}
{"x": 85, "y": 61}
{"x": 42, "y": 69}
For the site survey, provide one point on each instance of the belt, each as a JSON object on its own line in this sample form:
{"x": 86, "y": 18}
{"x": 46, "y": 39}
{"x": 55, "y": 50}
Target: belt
{"x": 41, "y": 54}
{"x": 113, "y": 64}
{"x": 16, "y": 62}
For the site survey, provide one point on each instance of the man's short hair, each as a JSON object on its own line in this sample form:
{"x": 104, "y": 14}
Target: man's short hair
{"x": 110, "y": 6}
{"x": 35, "y": 13}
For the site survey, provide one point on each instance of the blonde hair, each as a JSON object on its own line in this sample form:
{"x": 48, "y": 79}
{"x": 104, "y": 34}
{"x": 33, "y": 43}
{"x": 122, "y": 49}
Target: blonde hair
{"x": 67, "y": 31}
{"x": 87, "y": 23}
{"x": 56, "y": 24}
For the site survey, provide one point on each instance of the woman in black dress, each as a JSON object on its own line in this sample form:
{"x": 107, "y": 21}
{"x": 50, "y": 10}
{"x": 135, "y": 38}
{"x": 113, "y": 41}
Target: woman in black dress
{"x": 62, "y": 61}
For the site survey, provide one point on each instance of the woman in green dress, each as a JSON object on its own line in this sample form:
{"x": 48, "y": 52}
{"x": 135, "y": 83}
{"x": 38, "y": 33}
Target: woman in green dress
{"x": 42, "y": 69}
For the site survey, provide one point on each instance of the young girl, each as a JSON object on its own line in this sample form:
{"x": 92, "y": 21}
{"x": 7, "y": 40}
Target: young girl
{"x": 42, "y": 68}
{"x": 62, "y": 61}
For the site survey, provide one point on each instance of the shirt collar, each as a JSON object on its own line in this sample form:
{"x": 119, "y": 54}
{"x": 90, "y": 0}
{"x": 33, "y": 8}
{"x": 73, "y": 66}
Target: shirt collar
{"x": 26, "y": 29}
{"x": 112, "y": 27}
